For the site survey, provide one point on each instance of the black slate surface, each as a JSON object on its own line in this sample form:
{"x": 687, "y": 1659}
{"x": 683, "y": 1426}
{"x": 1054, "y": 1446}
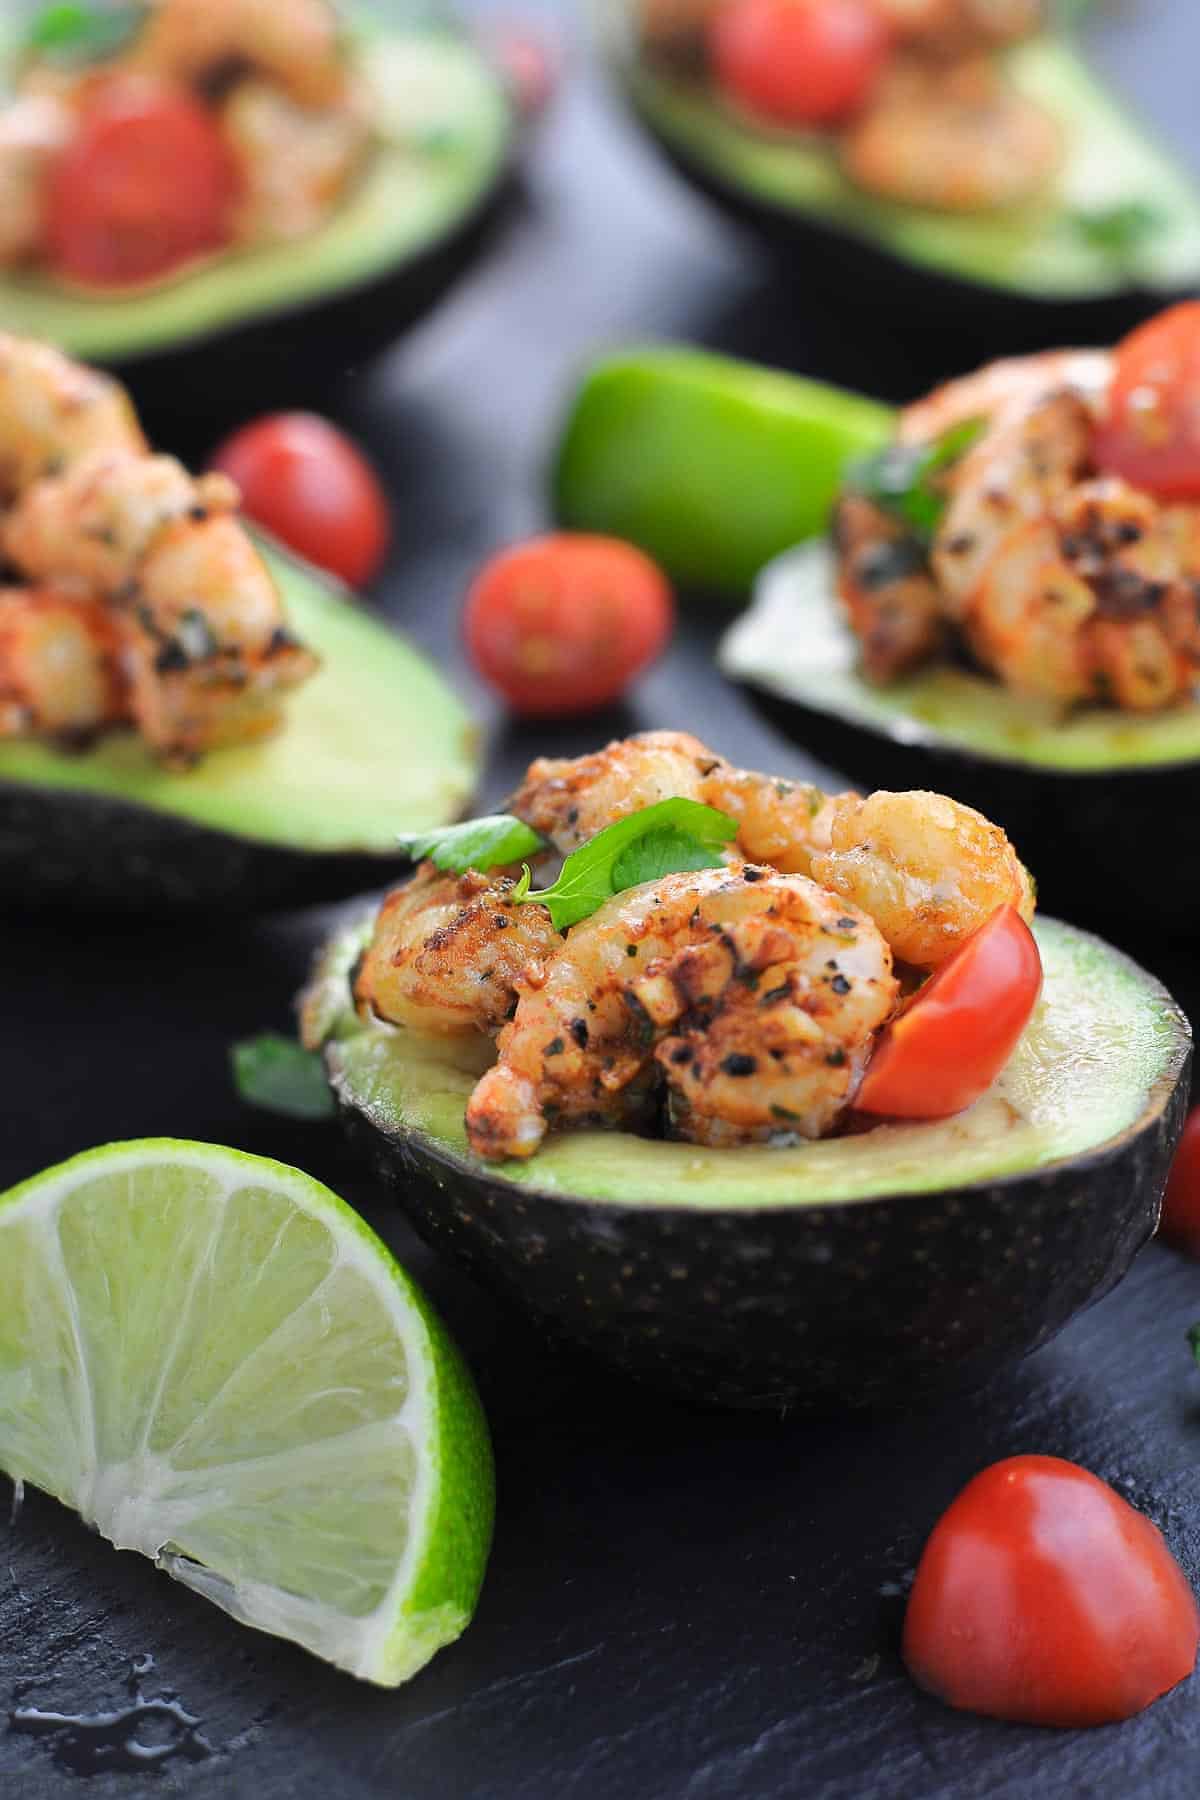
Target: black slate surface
{"x": 679, "y": 1607}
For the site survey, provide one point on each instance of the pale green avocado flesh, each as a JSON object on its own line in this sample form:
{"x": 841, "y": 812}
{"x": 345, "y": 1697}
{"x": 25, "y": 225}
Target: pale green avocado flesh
{"x": 373, "y": 745}
{"x": 1037, "y": 250}
{"x": 1103, "y": 1040}
{"x": 445, "y": 129}
{"x": 793, "y": 643}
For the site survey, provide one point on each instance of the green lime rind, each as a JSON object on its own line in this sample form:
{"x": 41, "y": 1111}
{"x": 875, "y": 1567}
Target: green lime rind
{"x": 216, "y": 1362}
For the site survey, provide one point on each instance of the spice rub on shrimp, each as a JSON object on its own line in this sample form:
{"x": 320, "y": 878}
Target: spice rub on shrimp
{"x": 1062, "y": 581}
{"x": 448, "y": 951}
{"x": 58, "y": 665}
{"x": 195, "y": 631}
{"x": 755, "y": 996}
{"x": 207, "y": 42}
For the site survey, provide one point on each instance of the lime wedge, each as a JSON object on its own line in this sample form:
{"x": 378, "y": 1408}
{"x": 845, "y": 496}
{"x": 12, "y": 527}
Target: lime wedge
{"x": 214, "y": 1360}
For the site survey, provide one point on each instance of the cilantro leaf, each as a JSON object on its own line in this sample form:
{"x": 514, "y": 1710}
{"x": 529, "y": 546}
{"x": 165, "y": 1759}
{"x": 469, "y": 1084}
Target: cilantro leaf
{"x": 902, "y": 480}
{"x": 1118, "y": 231}
{"x": 84, "y": 31}
{"x": 276, "y": 1075}
{"x": 659, "y": 840}
{"x": 476, "y": 844}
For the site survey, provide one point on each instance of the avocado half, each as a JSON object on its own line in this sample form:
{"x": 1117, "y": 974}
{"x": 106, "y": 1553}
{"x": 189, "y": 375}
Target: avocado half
{"x": 375, "y": 744}
{"x": 794, "y": 191}
{"x": 268, "y": 316}
{"x": 1077, "y": 792}
{"x": 859, "y": 1271}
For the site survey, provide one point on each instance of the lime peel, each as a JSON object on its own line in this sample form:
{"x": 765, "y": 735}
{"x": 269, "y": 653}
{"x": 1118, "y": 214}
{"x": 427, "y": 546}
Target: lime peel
{"x": 215, "y": 1361}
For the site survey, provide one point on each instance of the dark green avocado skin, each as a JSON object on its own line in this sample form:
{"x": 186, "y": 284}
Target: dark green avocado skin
{"x": 785, "y": 1309}
{"x": 1084, "y": 835}
{"x": 300, "y": 355}
{"x": 125, "y": 858}
{"x": 843, "y": 263}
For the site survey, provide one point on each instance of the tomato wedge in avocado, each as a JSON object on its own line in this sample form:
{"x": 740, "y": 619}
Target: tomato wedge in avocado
{"x": 943, "y": 1052}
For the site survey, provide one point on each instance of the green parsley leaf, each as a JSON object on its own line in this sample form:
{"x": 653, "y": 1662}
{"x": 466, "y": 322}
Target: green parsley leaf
{"x": 1119, "y": 231}
{"x": 1193, "y": 1338}
{"x": 277, "y": 1075}
{"x": 85, "y": 31}
{"x": 476, "y": 844}
{"x": 902, "y": 480}
{"x": 659, "y": 840}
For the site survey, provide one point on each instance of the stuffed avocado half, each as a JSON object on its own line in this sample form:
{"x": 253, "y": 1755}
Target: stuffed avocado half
{"x": 860, "y": 1270}
{"x": 1114, "y": 216}
{"x": 441, "y": 149}
{"x": 374, "y": 744}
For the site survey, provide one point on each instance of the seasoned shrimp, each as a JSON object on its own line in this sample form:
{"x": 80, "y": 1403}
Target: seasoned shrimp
{"x": 448, "y": 951}
{"x": 957, "y": 140}
{"x": 887, "y": 590}
{"x": 59, "y": 670}
{"x": 34, "y": 129}
{"x": 928, "y": 870}
{"x": 569, "y": 801}
{"x": 205, "y": 644}
{"x": 756, "y": 995}
{"x": 53, "y": 412}
{"x": 203, "y": 42}
{"x": 949, "y": 25}
{"x": 294, "y": 162}
{"x": 1013, "y": 382}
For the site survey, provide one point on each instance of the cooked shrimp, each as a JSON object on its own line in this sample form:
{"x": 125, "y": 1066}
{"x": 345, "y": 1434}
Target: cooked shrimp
{"x": 890, "y": 597}
{"x": 294, "y": 162}
{"x": 53, "y": 412}
{"x": 1011, "y": 382}
{"x": 956, "y": 140}
{"x": 34, "y": 129}
{"x": 59, "y": 668}
{"x": 755, "y": 993}
{"x": 570, "y": 800}
{"x": 202, "y": 42}
{"x": 928, "y": 870}
{"x": 448, "y": 951}
{"x": 206, "y": 646}
{"x": 949, "y": 25}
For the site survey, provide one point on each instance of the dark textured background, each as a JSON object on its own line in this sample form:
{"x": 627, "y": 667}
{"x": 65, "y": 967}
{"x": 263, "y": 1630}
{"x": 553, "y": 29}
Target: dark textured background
{"x": 679, "y": 1607}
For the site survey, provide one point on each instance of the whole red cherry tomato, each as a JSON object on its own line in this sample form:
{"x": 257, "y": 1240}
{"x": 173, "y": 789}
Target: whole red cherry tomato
{"x": 1151, "y": 434}
{"x": 1180, "y": 1223}
{"x": 147, "y": 184}
{"x": 304, "y": 481}
{"x": 955, "y": 1036}
{"x": 798, "y": 62}
{"x": 1042, "y": 1596}
{"x": 563, "y": 624}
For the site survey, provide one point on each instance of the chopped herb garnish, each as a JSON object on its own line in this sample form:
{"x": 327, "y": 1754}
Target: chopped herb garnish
{"x": 1118, "y": 231}
{"x": 666, "y": 839}
{"x": 85, "y": 31}
{"x": 278, "y": 1075}
{"x": 903, "y": 479}
{"x": 482, "y": 844}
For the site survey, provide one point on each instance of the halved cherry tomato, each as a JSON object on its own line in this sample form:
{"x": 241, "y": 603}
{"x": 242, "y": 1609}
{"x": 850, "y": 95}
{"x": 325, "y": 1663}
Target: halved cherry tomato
{"x": 1180, "y": 1224}
{"x": 312, "y": 488}
{"x": 146, "y": 185}
{"x": 563, "y": 624}
{"x": 1151, "y": 434}
{"x": 1044, "y": 1597}
{"x": 957, "y": 1033}
{"x": 798, "y": 62}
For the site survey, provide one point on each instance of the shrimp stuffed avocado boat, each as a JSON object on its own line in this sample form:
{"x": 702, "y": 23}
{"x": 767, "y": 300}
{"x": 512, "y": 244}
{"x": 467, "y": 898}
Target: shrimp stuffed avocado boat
{"x": 187, "y": 715}
{"x": 649, "y": 1129}
{"x": 972, "y": 151}
{"x": 358, "y": 159}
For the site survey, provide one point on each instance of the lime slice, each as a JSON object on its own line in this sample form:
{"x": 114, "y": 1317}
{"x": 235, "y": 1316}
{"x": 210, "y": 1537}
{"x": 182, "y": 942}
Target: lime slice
{"x": 213, "y": 1360}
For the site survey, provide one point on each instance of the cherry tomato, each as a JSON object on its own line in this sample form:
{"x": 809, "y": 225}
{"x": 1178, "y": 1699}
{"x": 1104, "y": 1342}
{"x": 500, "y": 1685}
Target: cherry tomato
{"x": 1151, "y": 434}
{"x": 304, "y": 481}
{"x": 957, "y": 1033}
{"x": 798, "y": 62}
{"x": 563, "y": 624}
{"x": 1180, "y": 1223}
{"x": 146, "y": 184}
{"x": 1042, "y": 1596}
